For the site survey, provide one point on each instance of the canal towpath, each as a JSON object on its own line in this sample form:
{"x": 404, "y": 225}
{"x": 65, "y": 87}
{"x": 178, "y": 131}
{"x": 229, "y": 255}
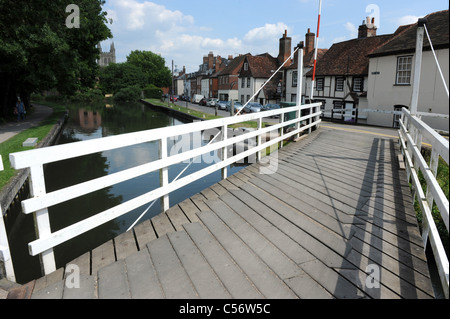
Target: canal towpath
{"x": 10, "y": 129}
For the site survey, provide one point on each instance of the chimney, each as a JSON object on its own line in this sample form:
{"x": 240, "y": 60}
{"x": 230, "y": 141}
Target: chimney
{"x": 230, "y": 57}
{"x": 309, "y": 42}
{"x": 367, "y": 29}
{"x": 218, "y": 63}
{"x": 210, "y": 60}
{"x": 285, "y": 48}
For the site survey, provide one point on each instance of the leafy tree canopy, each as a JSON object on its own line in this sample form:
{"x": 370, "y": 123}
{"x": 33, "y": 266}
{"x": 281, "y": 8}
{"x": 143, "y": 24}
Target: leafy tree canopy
{"x": 39, "y": 52}
{"x": 115, "y": 77}
{"x": 153, "y": 65}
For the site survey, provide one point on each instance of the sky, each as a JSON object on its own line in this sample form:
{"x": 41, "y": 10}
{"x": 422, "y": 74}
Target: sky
{"x": 185, "y": 31}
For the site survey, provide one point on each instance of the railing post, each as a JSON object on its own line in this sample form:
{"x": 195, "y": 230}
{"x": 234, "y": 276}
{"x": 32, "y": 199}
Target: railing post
{"x": 258, "y": 139}
{"x": 5, "y": 252}
{"x": 41, "y": 217}
{"x": 417, "y": 65}
{"x": 281, "y": 129}
{"x": 224, "y": 151}
{"x": 299, "y": 84}
{"x": 163, "y": 174}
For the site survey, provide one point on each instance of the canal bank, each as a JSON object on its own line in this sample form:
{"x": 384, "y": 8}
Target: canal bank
{"x": 9, "y": 192}
{"x": 174, "y": 112}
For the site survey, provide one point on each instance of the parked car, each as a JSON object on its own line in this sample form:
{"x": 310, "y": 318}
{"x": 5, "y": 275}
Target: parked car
{"x": 222, "y": 105}
{"x": 212, "y": 102}
{"x": 202, "y": 102}
{"x": 197, "y": 98}
{"x": 237, "y": 107}
{"x": 253, "y": 107}
{"x": 269, "y": 107}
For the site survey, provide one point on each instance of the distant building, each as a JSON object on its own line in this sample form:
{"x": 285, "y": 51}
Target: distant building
{"x": 106, "y": 57}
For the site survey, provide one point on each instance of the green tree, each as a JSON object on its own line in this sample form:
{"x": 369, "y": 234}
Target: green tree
{"x": 115, "y": 77}
{"x": 153, "y": 65}
{"x": 39, "y": 52}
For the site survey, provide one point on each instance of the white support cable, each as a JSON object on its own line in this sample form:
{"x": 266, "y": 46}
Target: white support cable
{"x": 311, "y": 95}
{"x": 257, "y": 92}
{"x": 435, "y": 58}
{"x": 212, "y": 140}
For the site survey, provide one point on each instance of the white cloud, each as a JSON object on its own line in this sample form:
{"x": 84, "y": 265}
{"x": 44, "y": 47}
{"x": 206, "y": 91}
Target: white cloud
{"x": 174, "y": 35}
{"x": 405, "y": 20}
{"x": 352, "y": 29}
{"x": 352, "y": 33}
{"x": 265, "y": 32}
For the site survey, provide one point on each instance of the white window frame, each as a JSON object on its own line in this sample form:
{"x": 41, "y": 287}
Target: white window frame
{"x": 404, "y": 69}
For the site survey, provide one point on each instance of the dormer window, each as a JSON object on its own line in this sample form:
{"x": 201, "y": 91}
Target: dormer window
{"x": 245, "y": 66}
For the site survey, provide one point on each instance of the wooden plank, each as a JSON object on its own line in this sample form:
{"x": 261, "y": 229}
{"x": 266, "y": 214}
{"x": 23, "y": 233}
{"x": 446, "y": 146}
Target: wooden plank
{"x": 232, "y": 277}
{"x": 199, "y": 201}
{"x": 172, "y": 276}
{"x": 209, "y": 193}
{"x": 247, "y": 207}
{"x": 49, "y": 280}
{"x": 337, "y": 285}
{"x": 270, "y": 285}
{"x": 144, "y": 233}
{"x": 285, "y": 219}
{"x": 103, "y": 256}
{"x": 263, "y": 248}
{"x": 162, "y": 225}
{"x": 190, "y": 210}
{"x": 125, "y": 245}
{"x": 83, "y": 263}
{"x": 177, "y": 217}
{"x": 142, "y": 278}
{"x": 203, "y": 277}
{"x": 113, "y": 282}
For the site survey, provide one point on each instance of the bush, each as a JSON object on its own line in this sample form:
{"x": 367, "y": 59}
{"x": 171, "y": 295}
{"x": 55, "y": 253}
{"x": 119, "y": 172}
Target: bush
{"x": 128, "y": 94}
{"x": 91, "y": 96}
{"x": 152, "y": 92}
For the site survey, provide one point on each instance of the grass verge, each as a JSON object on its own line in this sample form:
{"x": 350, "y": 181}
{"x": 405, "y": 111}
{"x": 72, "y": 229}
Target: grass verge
{"x": 14, "y": 144}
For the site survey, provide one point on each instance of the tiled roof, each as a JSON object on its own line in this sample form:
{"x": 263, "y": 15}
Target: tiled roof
{"x": 234, "y": 66}
{"x": 260, "y": 66}
{"x": 308, "y": 59}
{"x": 404, "y": 39}
{"x": 349, "y": 57}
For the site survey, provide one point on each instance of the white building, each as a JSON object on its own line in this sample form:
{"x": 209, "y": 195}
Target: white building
{"x": 391, "y": 74}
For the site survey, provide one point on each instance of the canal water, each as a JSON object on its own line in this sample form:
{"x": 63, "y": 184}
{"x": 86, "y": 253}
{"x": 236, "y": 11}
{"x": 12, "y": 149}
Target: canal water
{"x": 86, "y": 123}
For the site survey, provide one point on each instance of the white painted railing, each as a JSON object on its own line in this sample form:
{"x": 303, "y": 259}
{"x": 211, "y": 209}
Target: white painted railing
{"x": 36, "y": 159}
{"x": 412, "y": 132}
{"x": 5, "y": 253}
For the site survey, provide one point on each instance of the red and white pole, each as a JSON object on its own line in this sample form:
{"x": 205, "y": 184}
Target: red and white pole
{"x": 311, "y": 96}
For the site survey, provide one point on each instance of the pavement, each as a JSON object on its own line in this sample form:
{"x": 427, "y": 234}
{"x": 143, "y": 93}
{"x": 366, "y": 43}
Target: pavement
{"x": 11, "y": 129}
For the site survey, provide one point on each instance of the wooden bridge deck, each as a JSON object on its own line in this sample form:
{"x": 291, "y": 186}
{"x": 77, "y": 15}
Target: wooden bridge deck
{"x": 336, "y": 204}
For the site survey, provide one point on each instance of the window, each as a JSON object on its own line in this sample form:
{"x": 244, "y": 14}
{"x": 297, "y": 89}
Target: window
{"x": 338, "y": 105}
{"x": 246, "y": 66}
{"x": 294, "y": 78}
{"x": 248, "y": 82}
{"x": 242, "y": 82}
{"x": 404, "y": 65}
{"x": 319, "y": 84}
{"x": 358, "y": 85}
{"x": 339, "y": 84}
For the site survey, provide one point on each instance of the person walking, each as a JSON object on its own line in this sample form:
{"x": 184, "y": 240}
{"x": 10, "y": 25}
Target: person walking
{"x": 20, "y": 110}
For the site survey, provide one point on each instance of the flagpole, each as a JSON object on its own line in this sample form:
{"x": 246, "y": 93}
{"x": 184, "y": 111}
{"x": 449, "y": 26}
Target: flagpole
{"x": 311, "y": 95}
